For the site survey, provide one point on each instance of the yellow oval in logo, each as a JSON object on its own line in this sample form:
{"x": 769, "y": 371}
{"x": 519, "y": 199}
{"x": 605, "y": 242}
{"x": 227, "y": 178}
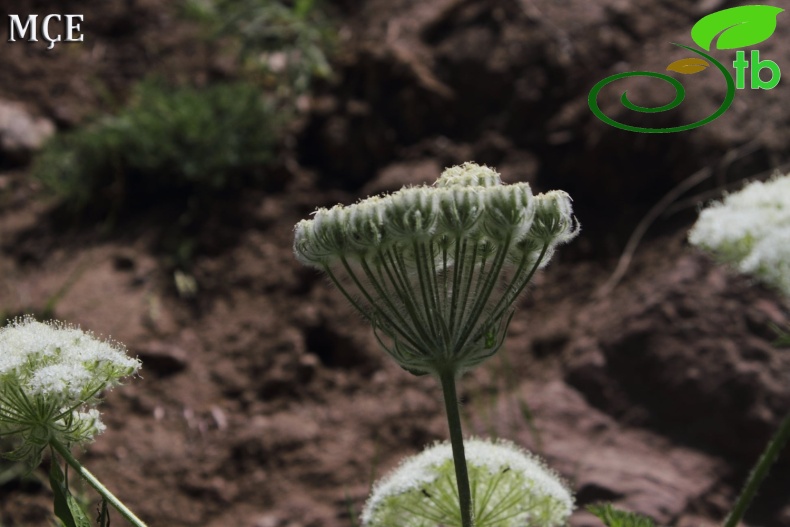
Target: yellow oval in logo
{"x": 688, "y": 66}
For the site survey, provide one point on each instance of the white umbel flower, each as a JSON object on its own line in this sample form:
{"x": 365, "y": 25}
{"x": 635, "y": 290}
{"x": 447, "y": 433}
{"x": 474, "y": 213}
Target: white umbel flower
{"x": 510, "y": 488}
{"x": 750, "y": 229}
{"x": 51, "y": 377}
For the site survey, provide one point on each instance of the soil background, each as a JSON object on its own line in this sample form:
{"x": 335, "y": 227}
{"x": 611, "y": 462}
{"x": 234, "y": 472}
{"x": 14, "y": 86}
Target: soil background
{"x": 265, "y": 401}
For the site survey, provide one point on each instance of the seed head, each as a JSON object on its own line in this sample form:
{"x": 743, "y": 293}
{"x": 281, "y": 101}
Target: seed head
{"x": 510, "y": 487}
{"x": 51, "y": 377}
{"x": 437, "y": 269}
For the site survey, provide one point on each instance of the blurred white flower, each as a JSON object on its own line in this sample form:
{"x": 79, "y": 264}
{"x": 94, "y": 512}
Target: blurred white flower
{"x": 750, "y": 230}
{"x": 510, "y": 488}
{"x": 51, "y": 377}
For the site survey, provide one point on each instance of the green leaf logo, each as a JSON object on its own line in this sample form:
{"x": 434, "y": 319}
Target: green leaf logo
{"x": 739, "y": 27}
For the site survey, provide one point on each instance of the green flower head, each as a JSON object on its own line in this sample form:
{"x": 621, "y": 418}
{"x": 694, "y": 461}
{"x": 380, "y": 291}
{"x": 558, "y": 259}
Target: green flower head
{"x": 51, "y": 377}
{"x": 510, "y": 488}
{"x": 436, "y": 270}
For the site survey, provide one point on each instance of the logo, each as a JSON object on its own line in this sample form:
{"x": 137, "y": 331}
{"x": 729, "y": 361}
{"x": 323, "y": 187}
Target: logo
{"x": 30, "y": 28}
{"x": 737, "y": 27}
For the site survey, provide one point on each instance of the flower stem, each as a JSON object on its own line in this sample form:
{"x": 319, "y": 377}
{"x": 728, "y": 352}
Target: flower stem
{"x": 759, "y": 472}
{"x": 96, "y": 484}
{"x": 447, "y": 380}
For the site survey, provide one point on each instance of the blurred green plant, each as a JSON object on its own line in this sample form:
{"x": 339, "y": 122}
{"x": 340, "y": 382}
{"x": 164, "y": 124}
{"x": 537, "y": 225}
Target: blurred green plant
{"x": 167, "y": 143}
{"x": 612, "y": 517}
{"x": 782, "y": 337}
{"x": 750, "y": 230}
{"x": 282, "y": 45}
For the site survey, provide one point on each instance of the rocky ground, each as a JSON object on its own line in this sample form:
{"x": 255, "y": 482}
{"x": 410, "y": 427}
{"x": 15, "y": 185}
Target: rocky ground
{"x": 264, "y": 400}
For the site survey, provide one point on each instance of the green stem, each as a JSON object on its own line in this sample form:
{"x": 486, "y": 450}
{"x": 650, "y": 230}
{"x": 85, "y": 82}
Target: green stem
{"x": 96, "y": 484}
{"x": 759, "y": 472}
{"x": 447, "y": 380}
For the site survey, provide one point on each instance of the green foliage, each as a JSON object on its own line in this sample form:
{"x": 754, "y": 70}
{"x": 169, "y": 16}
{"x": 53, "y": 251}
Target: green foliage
{"x": 284, "y": 46}
{"x": 612, "y": 517}
{"x": 166, "y": 143}
{"x": 67, "y": 509}
{"x": 782, "y": 336}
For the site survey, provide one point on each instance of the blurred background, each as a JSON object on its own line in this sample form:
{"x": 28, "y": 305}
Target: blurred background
{"x": 151, "y": 176}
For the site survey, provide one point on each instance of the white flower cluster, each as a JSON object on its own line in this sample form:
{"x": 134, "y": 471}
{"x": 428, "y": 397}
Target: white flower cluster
{"x": 467, "y": 201}
{"x": 51, "y": 376}
{"x": 750, "y": 229}
{"x": 437, "y": 269}
{"x": 510, "y": 487}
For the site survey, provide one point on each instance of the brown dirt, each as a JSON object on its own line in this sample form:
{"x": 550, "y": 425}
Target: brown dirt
{"x": 265, "y": 402}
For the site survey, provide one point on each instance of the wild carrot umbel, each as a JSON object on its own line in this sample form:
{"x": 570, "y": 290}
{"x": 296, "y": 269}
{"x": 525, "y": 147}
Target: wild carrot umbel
{"x": 511, "y": 488}
{"x": 51, "y": 379}
{"x": 750, "y": 230}
{"x": 436, "y": 271}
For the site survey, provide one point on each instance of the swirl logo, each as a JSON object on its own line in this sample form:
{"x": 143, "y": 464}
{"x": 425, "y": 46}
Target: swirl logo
{"x": 737, "y": 27}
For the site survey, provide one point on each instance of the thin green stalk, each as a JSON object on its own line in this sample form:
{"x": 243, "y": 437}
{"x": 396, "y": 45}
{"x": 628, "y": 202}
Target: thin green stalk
{"x": 439, "y": 299}
{"x": 468, "y": 284}
{"x": 460, "y": 254}
{"x": 400, "y": 268}
{"x": 447, "y": 380}
{"x": 445, "y": 272}
{"x": 473, "y": 279}
{"x": 510, "y": 297}
{"x": 386, "y": 298}
{"x": 399, "y": 281}
{"x": 96, "y": 484}
{"x": 489, "y": 282}
{"x": 759, "y": 472}
{"x": 370, "y": 299}
{"x": 423, "y": 278}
